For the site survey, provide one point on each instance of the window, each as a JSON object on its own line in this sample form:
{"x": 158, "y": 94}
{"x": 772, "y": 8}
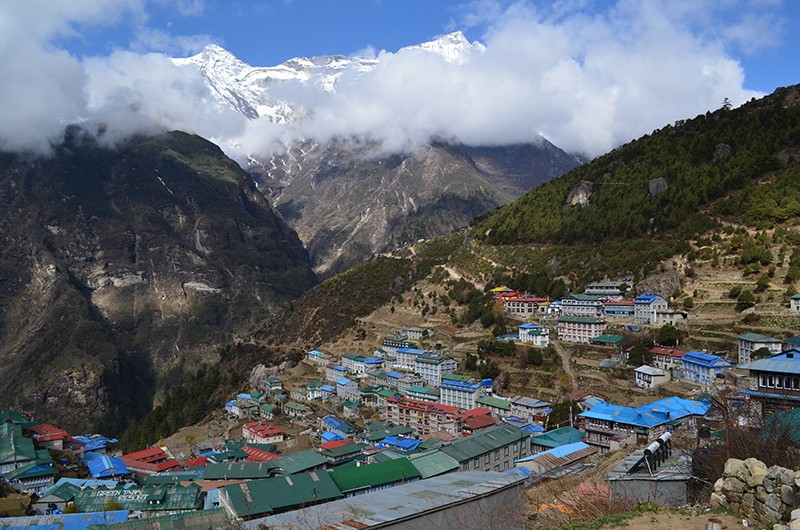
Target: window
{"x": 505, "y": 451}
{"x": 488, "y": 457}
{"x": 497, "y": 455}
{"x": 476, "y": 464}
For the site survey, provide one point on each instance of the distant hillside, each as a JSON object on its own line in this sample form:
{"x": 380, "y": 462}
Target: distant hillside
{"x": 665, "y": 182}
{"x": 122, "y": 269}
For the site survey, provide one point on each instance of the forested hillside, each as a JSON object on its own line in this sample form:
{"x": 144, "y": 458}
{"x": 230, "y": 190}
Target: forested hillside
{"x": 666, "y": 181}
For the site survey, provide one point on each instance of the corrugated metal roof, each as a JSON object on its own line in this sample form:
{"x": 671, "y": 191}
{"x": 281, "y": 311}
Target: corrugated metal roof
{"x": 781, "y": 363}
{"x": 68, "y": 521}
{"x": 478, "y": 444}
{"x": 758, "y": 337}
{"x": 240, "y": 470}
{"x": 433, "y": 463}
{"x": 281, "y": 493}
{"x": 558, "y": 437}
{"x": 300, "y": 461}
{"x": 202, "y": 520}
{"x": 374, "y": 475}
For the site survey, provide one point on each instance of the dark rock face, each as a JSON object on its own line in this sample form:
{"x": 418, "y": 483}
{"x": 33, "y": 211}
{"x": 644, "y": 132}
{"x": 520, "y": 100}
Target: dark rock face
{"x": 348, "y": 200}
{"x": 117, "y": 265}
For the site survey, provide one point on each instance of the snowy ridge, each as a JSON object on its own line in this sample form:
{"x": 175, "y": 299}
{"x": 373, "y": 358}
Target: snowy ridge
{"x": 249, "y": 89}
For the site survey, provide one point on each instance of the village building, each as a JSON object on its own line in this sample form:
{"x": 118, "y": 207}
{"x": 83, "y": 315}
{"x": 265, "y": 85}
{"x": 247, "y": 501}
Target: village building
{"x": 528, "y": 408}
{"x": 334, "y": 371}
{"x": 608, "y": 426}
{"x": 750, "y": 342}
{"x": 580, "y": 329}
{"x": 461, "y": 391}
{"x": 347, "y": 389}
{"x": 525, "y": 307}
{"x": 498, "y": 406}
{"x": 494, "y": 449}
{"x": 775, "y": 382}
{"x": 300, "y": 462}
{"x": 431, "y": 367}
{"x": 50, "y": 437}
{"x": 259, "y": 498}
{"x": 703, "y": 368}
{"x": 150, "y": 461}
{"x": 423, "y": 393}
{"x": 794, "y": 303}
{"x": 293, "y": 409}
{"x": 399, "y": 382}
{"x": 319, "y": 358}
{"x": 582, "y": 305}
{"x": 405, "y": 358}
{"x": 333, "y": 424}
{"x": 149, "y": 500}
{"x": 645, "y": 308}
{"x": 555, "y": 438}
{"x": 378, "y": 430}
{"x": 618, "y": 309}
{"x": 262, "y": 433}
{"x": 17, "y": 451}
{"x": 422, "y": 417}
{"x": 373, "y": 477}
{"x": 650, "y": 377}
{"x": 376, "y": 396}
{"x": 550, "y": 462}
{"x": 790, "y": 343}
{"x": 667, "y": 359}
{"x": 606, "y": 288}
{"x": 534, "y": 335}
{"x": 670, "y": 317}
{"x": 390, "y": 346}
{"x": 415, "y": 333}
{"x": 484, "y": 500}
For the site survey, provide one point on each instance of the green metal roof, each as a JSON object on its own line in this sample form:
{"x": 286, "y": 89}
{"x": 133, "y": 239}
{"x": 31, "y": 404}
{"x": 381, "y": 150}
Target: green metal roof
{"x": 12, "y": 416}
{"x": 495, "y": 402}
{"x": 558, "y": 437}
{"x": 484, "y": 442}
{"x": 201, "y": 520}
{"x": 458, "y": 377}
{"x": 757, "y": 337}
{"x": 299, "y": 462}
{"x": 378, "y": 431}
{"x": 433, "y": 463}
{"x": 294, "y": 405}
{"x": 343, "y": 450}
{"x": 39, "y": 468}
{"x": 65, "y": 492}
{"x": 146, "y": 498}
{"x": 609, "y": 339}
{"x": 14, "y": 447}
{"x": 280, "y": 494}
{"x": 240, "y": 470}
{"x": 423, "y": 390}
{"x": 372, "y": 475}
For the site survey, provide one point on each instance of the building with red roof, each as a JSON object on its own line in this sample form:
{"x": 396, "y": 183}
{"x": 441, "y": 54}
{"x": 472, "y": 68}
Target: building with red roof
{"x": 259, "y": 432}
{"x": 50, "y": 437}
{"x": 254, "y": 454}
{"x": 422, "y": 417}
{"x": 150, "y": 461}
{"x": 667, "y": 359}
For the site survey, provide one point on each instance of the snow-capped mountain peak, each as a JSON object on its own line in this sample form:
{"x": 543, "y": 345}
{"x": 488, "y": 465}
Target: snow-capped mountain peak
{"x": 454, "y": 47}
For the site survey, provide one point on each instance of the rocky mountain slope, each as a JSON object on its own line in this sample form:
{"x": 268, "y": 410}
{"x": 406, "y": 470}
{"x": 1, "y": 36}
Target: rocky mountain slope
{"x": 349, "y": 198}
{"x": 121, "y": 269}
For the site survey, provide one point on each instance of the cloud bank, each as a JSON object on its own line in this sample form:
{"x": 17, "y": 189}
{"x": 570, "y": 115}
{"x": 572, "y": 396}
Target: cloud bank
{"x": 586, "y": 80}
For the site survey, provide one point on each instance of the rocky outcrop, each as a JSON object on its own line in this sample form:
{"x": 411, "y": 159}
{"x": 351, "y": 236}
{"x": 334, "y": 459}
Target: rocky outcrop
{"x": 580, "y": 194}
{"x": 758, "y": 493}
{"x": 349, "y": 200}
{"x": 119, "y": 264}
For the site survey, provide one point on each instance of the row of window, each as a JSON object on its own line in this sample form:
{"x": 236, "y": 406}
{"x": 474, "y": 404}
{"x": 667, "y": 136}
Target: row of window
{"x": 780, "y": 382}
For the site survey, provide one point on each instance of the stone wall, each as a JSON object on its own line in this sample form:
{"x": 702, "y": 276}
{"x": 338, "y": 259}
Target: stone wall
{"x": 758, "y": 493}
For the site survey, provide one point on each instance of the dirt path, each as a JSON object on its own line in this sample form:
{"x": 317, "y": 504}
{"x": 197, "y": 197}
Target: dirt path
{"x": 565, "y": 361}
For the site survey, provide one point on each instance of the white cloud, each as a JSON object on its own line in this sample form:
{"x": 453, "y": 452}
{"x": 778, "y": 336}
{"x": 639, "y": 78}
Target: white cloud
{"x": 588, "y": 80}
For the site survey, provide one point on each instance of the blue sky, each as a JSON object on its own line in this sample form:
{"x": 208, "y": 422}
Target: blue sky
{"x": 587, "y": 75}
{"x": 761, "y": 34}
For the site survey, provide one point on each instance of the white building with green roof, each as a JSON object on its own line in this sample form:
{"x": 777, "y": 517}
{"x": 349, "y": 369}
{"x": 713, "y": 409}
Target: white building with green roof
{"x": 580, "y": 329}
{"x": 750, "y": 342}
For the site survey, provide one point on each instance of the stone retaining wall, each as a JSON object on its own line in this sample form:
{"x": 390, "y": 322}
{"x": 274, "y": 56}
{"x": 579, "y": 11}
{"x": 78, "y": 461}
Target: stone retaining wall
{"x": 758, "y": 493}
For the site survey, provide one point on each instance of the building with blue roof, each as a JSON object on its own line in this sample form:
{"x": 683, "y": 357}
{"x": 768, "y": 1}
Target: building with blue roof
{"x": 66, "y": 521}
{"x": 400, "y": 444}
{"x": 334, "y": 372}
{"x": 96, "y": 443}
{"x": 461, "y": 391}
{"x": 646, "y": 306}
{"x": 775, "y": 382}
{"x": 607, "y": 426}
{"x": 534, "y": 335}
{"x": 337, "y": 426}
{"x": 405, "y": 357}
{"x": 104, "y": 466}
{"x": 556, "y": 459}
{"x": 703, "y": 368}
{"x": 346, "y": 388}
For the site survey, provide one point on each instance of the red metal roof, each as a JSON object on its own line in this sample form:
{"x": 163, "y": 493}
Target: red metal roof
{"x": 333, "y": 444}
{"x": 258, "y": 455}
{"x": 150, "y": 456}
{"x": 200, "y": 461}
{"x": 525, "y": 299}
{"x": 477, "y": 422}
{"x": 659, "y": 350}
{"x": 47, "y": 433}
{"x": 424, "y": 406}
{"x": 262, "y": 429}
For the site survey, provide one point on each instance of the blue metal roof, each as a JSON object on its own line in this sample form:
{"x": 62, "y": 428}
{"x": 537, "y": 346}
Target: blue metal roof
{"x": 412, "y": 351}
{"x": 373, "y": 360}
{"x": 645, "y": 299}
{"x": 529, "y": 326}
{"x": 95, "y": 442}
{"x": 781, "y": 363}
{"x": 704, "y": 359}
{"x": 557, "y": 452}
{"x": 407, "y": 444}
{"x": 107, "y": 466}
{"x": 394, "y": 375}
{"x": 650, "y": 414}
{"x": 327, "y": 388}
{"x": 464, "y": 386}
{"x": 67, "y": 521}
{"x": 329, "y": 436}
